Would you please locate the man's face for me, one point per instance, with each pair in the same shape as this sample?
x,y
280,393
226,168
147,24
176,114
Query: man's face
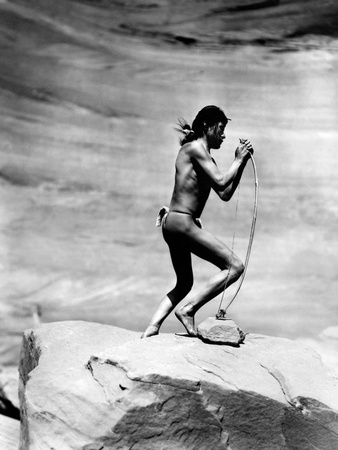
x,y
215,135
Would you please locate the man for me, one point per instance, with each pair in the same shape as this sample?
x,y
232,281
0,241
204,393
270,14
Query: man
x,y
196,174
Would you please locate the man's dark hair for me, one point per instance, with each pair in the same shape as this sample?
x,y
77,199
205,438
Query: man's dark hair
x,y
207,117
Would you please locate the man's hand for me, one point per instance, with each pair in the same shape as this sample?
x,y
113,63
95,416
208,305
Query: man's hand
x,y
244,150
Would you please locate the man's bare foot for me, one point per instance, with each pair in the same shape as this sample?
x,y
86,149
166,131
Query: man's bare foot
x,y
187,319
152,330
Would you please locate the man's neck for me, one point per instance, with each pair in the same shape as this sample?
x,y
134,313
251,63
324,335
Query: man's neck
x,y
204,142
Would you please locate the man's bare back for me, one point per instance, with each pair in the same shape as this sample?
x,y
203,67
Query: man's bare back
x,y
196,174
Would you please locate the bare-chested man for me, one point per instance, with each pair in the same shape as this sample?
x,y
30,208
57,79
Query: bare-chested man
x,y
196,174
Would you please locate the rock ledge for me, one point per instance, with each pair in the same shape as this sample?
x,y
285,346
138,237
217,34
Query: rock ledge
x,y
89,386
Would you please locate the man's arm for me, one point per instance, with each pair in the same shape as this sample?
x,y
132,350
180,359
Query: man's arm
x,y
228,192
218,180
223,184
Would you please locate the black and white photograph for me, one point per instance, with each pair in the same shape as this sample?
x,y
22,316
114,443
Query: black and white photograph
x,y
168,225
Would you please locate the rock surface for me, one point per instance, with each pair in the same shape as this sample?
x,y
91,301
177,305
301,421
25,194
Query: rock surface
x,y
9,399
9,433
9,408
224,331
91,386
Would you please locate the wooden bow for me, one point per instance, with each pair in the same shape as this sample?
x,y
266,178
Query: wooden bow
x,y
222,312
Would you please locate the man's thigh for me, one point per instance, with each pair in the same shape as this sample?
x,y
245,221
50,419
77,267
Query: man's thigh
x,y
180,257
208,247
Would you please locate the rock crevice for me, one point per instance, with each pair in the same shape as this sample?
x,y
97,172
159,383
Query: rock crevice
x,y
280,380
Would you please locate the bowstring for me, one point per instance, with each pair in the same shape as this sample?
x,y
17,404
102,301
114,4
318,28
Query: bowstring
x,y
252,231
232,248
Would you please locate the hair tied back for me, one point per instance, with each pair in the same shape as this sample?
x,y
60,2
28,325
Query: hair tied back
x,y
186,130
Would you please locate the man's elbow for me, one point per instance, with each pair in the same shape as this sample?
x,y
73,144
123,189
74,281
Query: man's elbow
x,y
221,185
226,196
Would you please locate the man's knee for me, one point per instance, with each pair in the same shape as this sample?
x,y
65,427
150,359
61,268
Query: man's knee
x,y
184,286
238,267
182,289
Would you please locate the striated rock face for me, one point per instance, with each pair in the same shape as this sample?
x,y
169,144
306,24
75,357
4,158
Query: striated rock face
x,y
90,386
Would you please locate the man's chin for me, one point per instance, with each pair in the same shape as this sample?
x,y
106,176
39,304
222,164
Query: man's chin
x,y
216,145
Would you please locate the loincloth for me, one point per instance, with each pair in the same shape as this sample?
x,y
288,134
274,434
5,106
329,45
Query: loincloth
x,y
164,211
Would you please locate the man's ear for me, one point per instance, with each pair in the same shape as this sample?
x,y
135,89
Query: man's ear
x,y
206,128
210,127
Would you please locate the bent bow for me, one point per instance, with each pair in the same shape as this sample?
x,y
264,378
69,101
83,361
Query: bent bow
x,y
221,313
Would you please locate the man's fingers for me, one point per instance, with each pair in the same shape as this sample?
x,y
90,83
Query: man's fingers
x,y
245,142
247,145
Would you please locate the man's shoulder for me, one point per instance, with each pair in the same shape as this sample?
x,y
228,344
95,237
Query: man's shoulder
x,y
193,148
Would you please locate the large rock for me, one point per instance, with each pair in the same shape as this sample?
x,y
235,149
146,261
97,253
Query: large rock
x,y
90,386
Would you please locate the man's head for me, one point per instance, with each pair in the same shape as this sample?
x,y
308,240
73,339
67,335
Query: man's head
x,y
209,122
207,118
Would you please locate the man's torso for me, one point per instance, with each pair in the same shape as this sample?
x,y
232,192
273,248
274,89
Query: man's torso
x,y
192,187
